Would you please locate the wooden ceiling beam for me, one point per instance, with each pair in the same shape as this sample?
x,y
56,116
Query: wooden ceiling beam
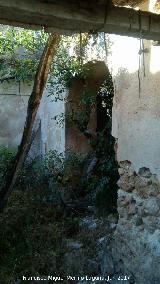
x,y
67,17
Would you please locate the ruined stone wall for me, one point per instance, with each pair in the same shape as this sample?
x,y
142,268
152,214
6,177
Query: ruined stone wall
x,y
136,244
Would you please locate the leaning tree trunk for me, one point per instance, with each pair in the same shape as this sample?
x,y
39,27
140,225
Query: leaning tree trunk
x,y
33,104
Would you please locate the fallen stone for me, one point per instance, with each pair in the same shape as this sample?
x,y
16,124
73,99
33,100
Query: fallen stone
x,y
126,183
151,223
125,164
141,182
152,206
155,181
144,172
138,221
121,171
132,209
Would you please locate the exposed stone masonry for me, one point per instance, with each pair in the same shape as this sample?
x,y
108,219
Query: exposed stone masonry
x,y
136,242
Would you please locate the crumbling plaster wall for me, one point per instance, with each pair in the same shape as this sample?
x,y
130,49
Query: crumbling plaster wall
x,y
136,115
136,127
13,110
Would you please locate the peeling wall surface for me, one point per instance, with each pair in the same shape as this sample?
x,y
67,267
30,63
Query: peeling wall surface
x,y
136,127
13,109
136,110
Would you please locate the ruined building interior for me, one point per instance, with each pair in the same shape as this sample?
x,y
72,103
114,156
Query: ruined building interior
x,y
133,65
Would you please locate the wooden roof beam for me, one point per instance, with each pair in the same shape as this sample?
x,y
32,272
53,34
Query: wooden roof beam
x,y
67,17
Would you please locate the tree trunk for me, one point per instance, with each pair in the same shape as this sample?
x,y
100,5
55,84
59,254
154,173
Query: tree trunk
x,y
33,104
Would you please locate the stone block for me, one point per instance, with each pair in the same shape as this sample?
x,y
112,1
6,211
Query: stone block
x,y
150,223
126,167
151,206
155,181
141,182
125,164
152,190
126,183
122,213
124,199
142,192
136,239
144,172
137,221
121,171
132,209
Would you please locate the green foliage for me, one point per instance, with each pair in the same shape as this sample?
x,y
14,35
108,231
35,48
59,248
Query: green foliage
x,y
50,172
102,183
72,159
80,117
73,52
34,227
6,159
106,93
20,50
31,237
87,98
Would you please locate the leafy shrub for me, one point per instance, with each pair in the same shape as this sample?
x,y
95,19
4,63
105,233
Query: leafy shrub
x,y
31,237
34,224
6,159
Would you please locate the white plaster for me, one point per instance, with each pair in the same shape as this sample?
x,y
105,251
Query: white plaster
x,y
136,116
53,134
13,109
